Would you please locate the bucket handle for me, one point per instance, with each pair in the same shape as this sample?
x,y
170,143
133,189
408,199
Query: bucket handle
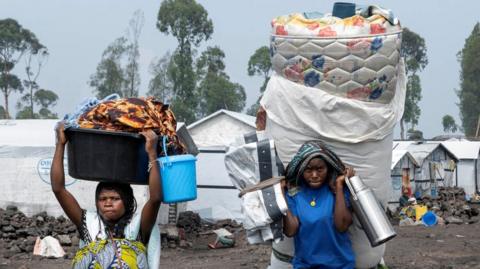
x,y
164,139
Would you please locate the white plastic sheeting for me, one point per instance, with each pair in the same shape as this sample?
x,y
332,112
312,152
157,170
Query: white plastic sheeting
x,y
26,153
360,133
216,197
467,171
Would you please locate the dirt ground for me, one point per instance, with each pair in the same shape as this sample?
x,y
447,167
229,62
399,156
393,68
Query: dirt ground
x,y
449,246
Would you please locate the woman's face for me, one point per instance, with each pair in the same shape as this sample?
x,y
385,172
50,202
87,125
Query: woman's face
x,y
315,173
110,205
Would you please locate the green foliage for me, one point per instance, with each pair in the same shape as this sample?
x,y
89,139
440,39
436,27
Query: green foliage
x,y
215,88
188,22
217,92
44,99
14,42
414,52
161,85
414,95
132,75
469,93
252,110
118,70
34,64
415,134
3,113
26,113
109,76
449,124
259,64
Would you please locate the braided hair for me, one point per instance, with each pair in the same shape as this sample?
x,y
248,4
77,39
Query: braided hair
x,y
130,203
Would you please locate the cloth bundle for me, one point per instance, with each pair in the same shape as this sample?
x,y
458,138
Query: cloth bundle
x,y
128,115
249,161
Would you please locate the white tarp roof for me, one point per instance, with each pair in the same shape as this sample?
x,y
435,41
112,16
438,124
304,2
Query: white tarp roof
x,y
27,133
463,149
397,155
420,150
247,119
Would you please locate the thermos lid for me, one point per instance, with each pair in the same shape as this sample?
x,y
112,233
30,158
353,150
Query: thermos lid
x,y
357,184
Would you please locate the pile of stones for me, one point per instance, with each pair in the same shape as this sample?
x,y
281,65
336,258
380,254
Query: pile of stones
x,y
451,205
18,232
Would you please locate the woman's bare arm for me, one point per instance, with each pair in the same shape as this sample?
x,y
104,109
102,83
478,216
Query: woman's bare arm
x,y
150,210
342,214
57,178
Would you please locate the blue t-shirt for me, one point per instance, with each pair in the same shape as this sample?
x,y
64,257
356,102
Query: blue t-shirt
x,y
318,244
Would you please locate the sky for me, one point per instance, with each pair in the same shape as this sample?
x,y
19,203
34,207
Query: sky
x,y
77,32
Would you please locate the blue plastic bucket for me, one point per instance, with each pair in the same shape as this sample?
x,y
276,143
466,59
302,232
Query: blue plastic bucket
x,y
178,175
429,219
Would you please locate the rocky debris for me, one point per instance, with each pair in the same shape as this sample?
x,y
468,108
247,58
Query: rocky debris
x,y
19,232
450,206
190,226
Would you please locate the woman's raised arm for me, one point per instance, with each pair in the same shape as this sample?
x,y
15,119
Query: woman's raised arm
x,y
150,210
57,179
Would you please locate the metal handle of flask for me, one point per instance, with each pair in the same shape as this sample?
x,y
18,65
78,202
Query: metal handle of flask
x,y
350,187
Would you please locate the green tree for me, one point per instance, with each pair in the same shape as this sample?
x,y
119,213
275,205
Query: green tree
x,y
259,64
161,85
33,66
215,88
469,93
188,22
43,98
415,56
415,134
14,42
132,76
3,113
109,77
449,124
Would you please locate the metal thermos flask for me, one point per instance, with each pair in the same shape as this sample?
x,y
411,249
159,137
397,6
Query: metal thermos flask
x,y
369,212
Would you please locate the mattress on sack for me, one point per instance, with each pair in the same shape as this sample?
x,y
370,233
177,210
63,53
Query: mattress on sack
x,y
355,57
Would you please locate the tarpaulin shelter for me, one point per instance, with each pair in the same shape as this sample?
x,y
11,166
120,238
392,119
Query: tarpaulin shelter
x,y
217,198
26,153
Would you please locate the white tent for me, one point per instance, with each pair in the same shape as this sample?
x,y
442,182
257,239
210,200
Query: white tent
x,y
26,153
467,171
436,164
403,169
216,197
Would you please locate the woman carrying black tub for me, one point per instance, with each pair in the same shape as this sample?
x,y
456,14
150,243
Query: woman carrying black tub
x,y
113,236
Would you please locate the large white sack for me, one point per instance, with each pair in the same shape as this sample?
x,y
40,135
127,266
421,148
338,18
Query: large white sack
x,y
315,113
360,133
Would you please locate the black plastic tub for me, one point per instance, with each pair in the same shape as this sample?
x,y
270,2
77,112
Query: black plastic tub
x,y
100,155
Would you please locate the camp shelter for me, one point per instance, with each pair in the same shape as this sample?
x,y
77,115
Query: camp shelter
x,y
26,153
217,198
436,164
468,167
402,174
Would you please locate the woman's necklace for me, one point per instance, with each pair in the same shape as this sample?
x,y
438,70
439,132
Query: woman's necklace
x,y
313,203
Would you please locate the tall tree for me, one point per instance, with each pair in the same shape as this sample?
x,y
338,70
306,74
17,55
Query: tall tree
x,y
449,124
161,85
3,113
43,98
109,77
14,42
415,55
259,64
188,22
132,76
469,93
215,88
33,66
